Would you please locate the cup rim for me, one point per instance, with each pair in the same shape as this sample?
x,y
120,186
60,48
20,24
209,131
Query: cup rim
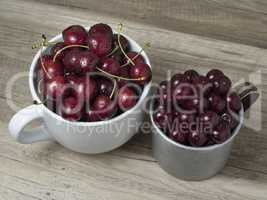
x,y
35,97
207,148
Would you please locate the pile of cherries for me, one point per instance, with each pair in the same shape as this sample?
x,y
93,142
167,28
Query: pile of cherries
x,y
197,110
91,76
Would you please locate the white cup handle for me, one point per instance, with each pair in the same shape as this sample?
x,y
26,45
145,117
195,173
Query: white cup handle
x,y
24,117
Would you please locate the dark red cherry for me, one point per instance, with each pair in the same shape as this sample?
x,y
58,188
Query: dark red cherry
x,y
190,74
209,118
179,136
137,59
71,109
71,59
234,102
163,119
221,133
87,62
104,107
110,65
58,46
52,69
231,119
221,85
91,116
198,104
123,41
123,72
141,71
74,34
127,98
177,79
55,88
217,103
84,88
183,91
100,29
105,86
202,84
101,45
197,138
118,56
214,73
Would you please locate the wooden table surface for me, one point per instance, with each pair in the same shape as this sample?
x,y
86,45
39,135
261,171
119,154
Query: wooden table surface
x,y
199,34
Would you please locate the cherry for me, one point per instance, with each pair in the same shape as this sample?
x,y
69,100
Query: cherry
x,y
123,72
74,35
202,84
124,42
177,79
55,88
100,29
141,71
105,86
127,98
163,119
71,59
214,73
231,119
234,102
71,109
87,61
197,138
217,104
52,69
190,74
57,47
135,57
221,133
84,88
196,104
221,85
179,136
117,56
209,118
110,65
183,91
104,107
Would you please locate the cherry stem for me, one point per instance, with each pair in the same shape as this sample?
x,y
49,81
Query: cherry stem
x,y
147,45
118,77
113,51
44,42
114,88
67,47
42,64
119,42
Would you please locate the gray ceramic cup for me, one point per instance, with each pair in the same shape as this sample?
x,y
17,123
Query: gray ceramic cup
x,y
192,163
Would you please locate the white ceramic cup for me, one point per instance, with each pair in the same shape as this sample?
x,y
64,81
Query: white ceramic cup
x,y
83,137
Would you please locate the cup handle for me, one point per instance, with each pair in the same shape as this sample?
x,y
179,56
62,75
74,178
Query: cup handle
x,y
23,118
248,94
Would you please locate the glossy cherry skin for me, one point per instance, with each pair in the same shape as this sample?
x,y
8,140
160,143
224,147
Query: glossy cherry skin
x,y
221,133
190,74
217,103
55,88
221,85
87,62
179,136
71,109
100,29
52,69
104,107
127,98
123,72
196,104
74,35
137,59
84,88
123,41
197,138
234,102
58,46
183,91
110,65
104,86
71,59
177,79
202,85
141,71
163,119
214,73
209,118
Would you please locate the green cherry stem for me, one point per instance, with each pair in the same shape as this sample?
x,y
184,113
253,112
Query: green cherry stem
x,y
67,47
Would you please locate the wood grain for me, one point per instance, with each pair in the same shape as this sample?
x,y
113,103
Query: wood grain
x,y
48,171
